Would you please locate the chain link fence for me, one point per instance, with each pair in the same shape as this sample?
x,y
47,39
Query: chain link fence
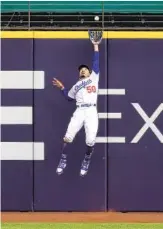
x,y
81,15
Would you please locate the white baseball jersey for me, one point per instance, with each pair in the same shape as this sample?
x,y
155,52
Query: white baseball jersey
x,y
85,91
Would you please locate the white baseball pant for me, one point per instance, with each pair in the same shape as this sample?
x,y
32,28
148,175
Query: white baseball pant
x,y
87,117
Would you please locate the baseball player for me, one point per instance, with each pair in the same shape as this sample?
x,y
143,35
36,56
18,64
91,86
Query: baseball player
x,y
84,92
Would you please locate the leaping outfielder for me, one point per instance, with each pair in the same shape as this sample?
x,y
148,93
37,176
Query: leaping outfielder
x,y
85,92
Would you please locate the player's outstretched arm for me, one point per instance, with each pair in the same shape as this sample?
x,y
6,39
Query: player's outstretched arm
x,y
96,67
60,85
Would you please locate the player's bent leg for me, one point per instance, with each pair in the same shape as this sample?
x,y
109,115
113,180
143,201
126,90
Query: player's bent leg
x,y
74,126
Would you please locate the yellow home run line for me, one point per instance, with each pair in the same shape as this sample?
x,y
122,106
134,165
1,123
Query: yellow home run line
x,y
81,34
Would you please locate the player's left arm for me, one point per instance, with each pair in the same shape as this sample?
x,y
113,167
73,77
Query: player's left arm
x,y
96,67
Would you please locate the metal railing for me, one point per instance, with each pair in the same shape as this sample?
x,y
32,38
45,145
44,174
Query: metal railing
x,y
80,6
81,15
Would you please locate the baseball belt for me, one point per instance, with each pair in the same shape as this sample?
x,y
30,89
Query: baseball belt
x,y
86,105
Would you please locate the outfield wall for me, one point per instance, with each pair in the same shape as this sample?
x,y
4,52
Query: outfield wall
x,y
126,173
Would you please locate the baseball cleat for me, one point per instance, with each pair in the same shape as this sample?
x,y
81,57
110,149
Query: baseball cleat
x,y
61,166
84,167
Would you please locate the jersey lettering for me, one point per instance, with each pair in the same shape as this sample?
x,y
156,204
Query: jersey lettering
x,y
82,85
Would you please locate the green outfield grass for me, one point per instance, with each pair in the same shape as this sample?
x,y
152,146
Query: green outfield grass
x,y
81,226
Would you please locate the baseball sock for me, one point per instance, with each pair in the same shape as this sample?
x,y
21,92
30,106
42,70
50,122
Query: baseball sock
x,y
64,150
89,152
